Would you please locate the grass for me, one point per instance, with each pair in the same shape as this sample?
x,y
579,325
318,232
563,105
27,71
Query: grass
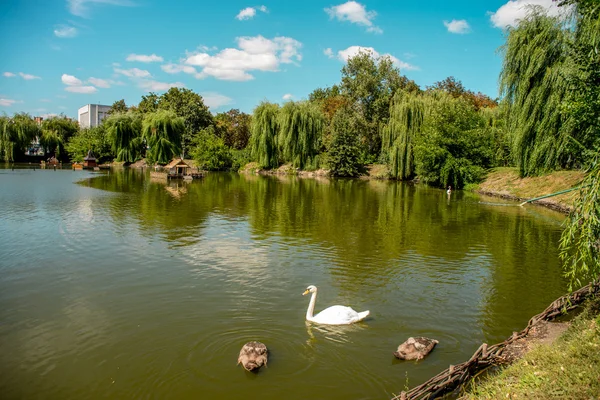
x,y
566,369
506,182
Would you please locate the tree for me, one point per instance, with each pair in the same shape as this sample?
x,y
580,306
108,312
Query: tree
x,y
56,132
233,127
190,106
16,133
534,87
343,153
370,83
210,151
95,139
162,131
300,130
148,104
118,106
407,113
124,135
264,128
456,89
455,146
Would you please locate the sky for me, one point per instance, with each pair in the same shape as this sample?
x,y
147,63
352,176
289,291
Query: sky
x,y
59,55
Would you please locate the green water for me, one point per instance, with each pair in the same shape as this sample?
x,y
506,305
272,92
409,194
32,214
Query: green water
x,y
116,286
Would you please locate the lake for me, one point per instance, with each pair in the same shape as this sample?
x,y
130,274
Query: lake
x,y
113,285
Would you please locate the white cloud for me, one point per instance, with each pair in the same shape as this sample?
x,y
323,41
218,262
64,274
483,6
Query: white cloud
x,y
70,80
352,51
250,12
356,13
328,52
28,77
133,72
144,58
457,26
287,96
101,83
215,100
8,102
154,86
176,68
81,89
9,74
46,100
254,54
514,10
81,7
65,31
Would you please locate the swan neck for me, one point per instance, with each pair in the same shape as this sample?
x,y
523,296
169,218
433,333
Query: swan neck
x,y
311,306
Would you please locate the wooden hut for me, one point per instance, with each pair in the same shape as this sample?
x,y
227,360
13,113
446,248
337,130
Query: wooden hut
x,y
179,169
89,161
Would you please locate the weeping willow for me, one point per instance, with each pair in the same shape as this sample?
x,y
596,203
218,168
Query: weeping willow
x,y
407,113
162,131
263,144
122,134
16,133
533,83
300,128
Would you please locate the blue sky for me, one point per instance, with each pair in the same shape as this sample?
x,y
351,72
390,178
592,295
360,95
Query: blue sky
x,y
58,55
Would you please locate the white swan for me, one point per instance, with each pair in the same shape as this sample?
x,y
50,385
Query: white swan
x,y
334,315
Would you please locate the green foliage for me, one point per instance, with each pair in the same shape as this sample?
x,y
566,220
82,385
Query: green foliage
x,y
263,135
455,145
162,131
56,132
210,151
190,106
407,113
124,132
534,85
239,158
343,152
148,104
233,127
118,106
16,133
580,240
370,84
95,139
300,130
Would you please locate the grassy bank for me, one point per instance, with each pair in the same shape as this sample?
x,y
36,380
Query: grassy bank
x,y
505,182
569,368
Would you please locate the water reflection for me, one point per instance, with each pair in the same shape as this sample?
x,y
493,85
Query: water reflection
x,y
126,287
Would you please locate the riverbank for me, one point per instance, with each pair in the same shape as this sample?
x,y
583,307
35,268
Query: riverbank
x,y
567,367
505,182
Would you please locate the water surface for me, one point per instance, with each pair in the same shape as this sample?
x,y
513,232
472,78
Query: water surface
x,y
117,286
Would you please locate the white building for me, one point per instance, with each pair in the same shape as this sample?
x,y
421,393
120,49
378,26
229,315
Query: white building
x,y
92,115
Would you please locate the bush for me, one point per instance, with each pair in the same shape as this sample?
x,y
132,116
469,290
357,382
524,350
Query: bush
x,y
210,152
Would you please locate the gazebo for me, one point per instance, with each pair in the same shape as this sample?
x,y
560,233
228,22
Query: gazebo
x,y
89,161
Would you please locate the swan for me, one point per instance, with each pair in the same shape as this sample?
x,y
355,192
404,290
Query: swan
x,y
334,315
449,191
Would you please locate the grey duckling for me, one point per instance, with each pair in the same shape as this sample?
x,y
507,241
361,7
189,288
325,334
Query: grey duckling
x,y
415,348
253,355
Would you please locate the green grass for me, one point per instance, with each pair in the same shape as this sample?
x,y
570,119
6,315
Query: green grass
x,y
566,369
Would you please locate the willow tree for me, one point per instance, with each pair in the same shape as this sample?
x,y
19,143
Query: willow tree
x,y
534,85
300,129
124,136
263,144
16,133
56,132
407,112
163,132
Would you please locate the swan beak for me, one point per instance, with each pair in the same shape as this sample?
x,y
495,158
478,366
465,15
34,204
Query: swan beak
x,y
306,292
